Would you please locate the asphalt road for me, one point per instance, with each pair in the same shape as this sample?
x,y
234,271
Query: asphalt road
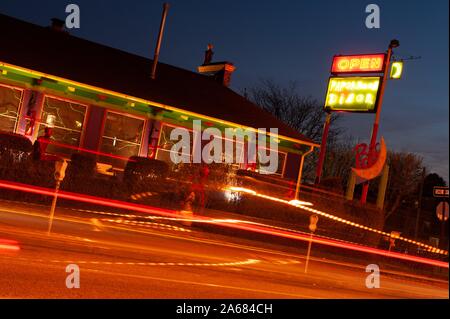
x,y
119,257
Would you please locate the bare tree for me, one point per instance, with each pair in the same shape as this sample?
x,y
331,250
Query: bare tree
x,y
304,114
405,174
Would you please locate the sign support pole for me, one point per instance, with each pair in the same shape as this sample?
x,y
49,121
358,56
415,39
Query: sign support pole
x,y
309,252
373,140
52,209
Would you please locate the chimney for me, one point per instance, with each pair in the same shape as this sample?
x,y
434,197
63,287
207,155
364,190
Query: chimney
x,y
58,25
219,71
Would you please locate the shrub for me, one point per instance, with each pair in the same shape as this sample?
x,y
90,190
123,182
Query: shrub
x,y
81,165
142,173
15,150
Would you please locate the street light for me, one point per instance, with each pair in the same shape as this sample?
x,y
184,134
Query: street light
x,y
394,44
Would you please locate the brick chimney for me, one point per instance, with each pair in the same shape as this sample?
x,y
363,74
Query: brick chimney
x,y
219,71
57,25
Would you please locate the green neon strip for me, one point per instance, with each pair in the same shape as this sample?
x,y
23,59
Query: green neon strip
x,y
122,104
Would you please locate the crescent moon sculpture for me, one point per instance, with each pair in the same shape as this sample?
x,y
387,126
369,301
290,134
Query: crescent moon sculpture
x,y
375,169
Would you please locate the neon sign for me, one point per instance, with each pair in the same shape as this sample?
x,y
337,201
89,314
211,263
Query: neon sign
x,y
396,70
367,63
352,94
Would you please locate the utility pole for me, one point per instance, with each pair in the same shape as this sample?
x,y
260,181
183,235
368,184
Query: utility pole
x,y
419,204
158,44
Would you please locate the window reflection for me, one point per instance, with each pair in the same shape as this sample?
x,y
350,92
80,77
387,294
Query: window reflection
x,y
10,99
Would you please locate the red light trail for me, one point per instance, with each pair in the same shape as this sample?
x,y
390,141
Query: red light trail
x,y
7,245
90,151
252,228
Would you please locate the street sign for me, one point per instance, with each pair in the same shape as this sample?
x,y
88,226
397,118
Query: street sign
x,y
394,235
365,63
442,211
353,94
440,191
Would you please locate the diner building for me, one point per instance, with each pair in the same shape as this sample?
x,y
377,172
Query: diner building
x,y
103,100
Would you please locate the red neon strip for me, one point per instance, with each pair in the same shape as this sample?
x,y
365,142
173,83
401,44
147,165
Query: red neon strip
x,y
258,229
91,151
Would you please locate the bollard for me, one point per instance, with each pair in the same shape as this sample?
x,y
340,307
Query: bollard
x,y
60,171
313,219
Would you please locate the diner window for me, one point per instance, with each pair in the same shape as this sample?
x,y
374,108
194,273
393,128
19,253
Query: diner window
x,y
165,144
236,158
66,119
10,99
281,162
122,138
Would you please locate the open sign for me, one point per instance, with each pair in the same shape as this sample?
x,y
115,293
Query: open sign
x,y
367,63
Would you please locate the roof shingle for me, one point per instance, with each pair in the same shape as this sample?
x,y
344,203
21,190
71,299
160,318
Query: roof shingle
x,y
60,54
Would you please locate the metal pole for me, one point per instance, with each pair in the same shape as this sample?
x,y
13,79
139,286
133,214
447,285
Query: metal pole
x,y
382,187
160,35
419,204
323,148
350,186
308,253
373,139
52,210
299,177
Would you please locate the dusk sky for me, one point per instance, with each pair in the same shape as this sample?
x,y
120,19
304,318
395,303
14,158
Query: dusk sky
x,y
291,41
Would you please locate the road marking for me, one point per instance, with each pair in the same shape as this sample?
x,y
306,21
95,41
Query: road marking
x,y
147,224
95,262
208,241
265,292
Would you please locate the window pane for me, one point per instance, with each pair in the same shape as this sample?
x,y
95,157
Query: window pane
x,y
281,160
66,119
121,137
9,108
165,144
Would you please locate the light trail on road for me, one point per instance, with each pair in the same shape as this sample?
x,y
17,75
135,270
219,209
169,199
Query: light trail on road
x,y
251,228
7,245
303,205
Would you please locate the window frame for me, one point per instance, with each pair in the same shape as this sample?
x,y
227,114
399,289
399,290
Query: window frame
x,y
105,118
194,138
40,121
19,108
278,151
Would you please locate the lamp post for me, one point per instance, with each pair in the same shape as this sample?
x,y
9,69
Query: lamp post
x,y
373,141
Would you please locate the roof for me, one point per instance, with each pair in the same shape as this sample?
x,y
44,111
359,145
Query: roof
x,y
41,49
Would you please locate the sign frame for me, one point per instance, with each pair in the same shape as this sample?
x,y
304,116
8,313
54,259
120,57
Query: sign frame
x,y
443,188
381,71
377,96
442,210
